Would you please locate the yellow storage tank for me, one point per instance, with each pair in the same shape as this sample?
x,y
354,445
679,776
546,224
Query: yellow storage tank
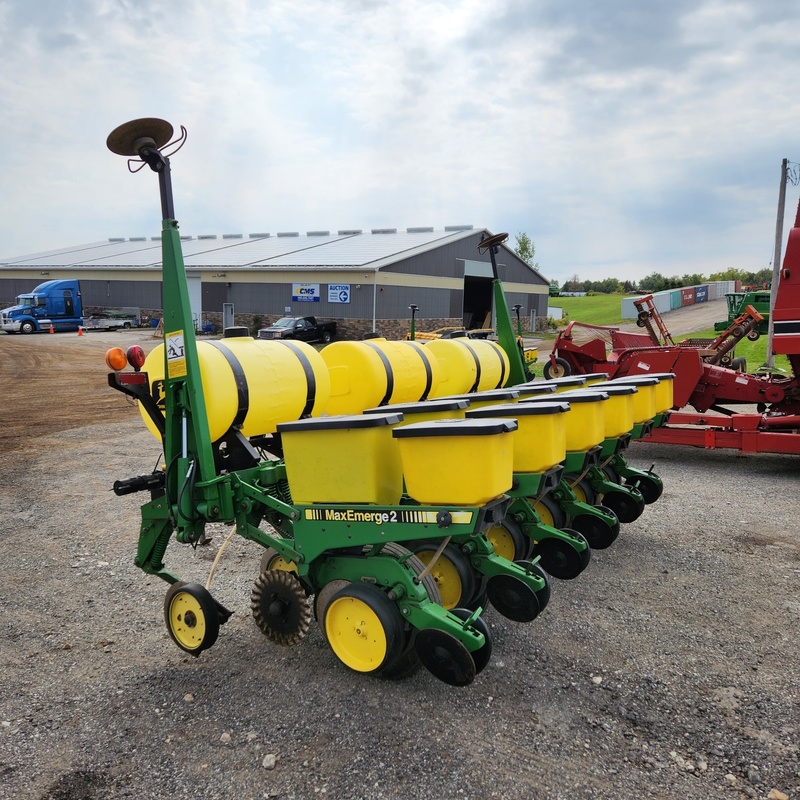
x,y
540,441
585,423
438,459
664,391
343,459
254,383
644,403
376,372
468,365
425,411
618,411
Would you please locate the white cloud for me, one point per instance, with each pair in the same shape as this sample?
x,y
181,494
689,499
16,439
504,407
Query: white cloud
x,y
646,138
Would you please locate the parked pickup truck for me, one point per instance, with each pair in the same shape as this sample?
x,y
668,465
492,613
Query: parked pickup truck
x,y
306,329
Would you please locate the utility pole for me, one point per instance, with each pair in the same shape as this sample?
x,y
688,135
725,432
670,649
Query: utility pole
x,y
776,261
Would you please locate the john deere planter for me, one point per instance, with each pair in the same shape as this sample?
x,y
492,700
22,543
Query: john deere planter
x,y
361,512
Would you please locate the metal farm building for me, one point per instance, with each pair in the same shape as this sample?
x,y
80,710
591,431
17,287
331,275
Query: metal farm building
x,y
351,275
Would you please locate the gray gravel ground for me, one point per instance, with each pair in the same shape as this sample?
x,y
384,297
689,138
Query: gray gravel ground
x,y
667,670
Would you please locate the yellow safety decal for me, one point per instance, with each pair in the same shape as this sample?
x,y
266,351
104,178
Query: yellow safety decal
x,y
176,354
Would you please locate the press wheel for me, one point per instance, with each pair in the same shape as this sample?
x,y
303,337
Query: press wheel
x,y
364,628
280,607
191,616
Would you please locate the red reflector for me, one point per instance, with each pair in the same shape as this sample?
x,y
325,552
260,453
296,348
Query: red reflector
x,y
136,357
116,359
132,378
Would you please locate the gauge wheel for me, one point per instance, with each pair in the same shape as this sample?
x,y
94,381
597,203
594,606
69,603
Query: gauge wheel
x,y
508,540
560,558
753,335
582,489
611,474
550,512
482,655
452,572
364,628
559,369
628,507
272,559
191,616
650,487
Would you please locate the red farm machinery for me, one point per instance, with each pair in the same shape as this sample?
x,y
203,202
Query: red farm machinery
x,y
708,377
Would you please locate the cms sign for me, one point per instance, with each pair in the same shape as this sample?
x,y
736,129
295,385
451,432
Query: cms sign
x,y
305,292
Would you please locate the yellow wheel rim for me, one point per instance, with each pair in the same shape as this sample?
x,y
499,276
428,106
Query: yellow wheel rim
x,y
355,634
544,513
187,621
502,542
446,576
579,493
279,562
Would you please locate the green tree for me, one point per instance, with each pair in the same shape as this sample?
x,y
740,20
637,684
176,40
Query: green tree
x,y
526,249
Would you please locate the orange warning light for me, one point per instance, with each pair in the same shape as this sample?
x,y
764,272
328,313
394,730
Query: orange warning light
x,y
116,359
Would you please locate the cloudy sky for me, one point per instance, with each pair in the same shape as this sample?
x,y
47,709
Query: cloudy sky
x,y
623,136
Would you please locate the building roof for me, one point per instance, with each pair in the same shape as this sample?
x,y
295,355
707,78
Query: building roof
x,y
346,249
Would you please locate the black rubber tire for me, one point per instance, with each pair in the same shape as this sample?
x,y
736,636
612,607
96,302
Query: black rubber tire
x,y
326,337
27,327
739,364
754,335
560,370
388,615
203,602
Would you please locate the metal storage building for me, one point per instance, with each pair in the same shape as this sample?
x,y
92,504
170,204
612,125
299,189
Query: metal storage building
x,y
349,274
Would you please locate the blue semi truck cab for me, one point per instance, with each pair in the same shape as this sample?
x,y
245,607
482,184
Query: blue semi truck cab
x,y
57,303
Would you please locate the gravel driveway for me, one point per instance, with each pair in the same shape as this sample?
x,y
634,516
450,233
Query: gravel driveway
x,y
668,669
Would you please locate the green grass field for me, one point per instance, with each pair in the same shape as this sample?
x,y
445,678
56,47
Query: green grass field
x,y
599,309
